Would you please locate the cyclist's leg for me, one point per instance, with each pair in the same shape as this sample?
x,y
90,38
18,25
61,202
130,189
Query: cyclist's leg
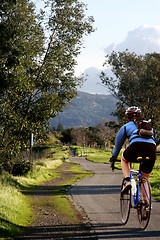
x,y
146,169
145,174
127,157
125,167
146,185
126,173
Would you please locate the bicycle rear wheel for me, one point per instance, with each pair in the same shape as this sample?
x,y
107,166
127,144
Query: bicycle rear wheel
x,y
125,205
143,210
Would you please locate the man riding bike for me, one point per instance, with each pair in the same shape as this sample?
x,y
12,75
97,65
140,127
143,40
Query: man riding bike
x,y
138,146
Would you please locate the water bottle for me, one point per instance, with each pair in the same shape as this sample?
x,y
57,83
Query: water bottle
x,y
134,189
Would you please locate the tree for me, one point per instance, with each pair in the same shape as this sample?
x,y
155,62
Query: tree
x,y
136,82
37,67
67,136
103,134
80,136
22,41
60,127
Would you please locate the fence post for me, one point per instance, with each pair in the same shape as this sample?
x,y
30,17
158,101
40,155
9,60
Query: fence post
x,y
31,144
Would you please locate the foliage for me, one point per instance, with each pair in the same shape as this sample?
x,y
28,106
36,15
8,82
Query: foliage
x,y
103,134
60,128
136,82
22,167
100,135
67,135
38,55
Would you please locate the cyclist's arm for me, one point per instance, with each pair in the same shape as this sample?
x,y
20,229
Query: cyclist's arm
x,y
120,139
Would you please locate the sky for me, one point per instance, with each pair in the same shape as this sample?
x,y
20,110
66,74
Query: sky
x,y
114,20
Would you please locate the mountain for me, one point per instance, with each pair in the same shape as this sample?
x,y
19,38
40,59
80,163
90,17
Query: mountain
x,y
86,109
93,83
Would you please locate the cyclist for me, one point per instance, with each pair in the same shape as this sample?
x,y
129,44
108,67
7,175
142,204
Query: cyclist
x,y
138,146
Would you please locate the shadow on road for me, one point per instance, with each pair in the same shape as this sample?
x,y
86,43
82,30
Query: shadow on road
x,y
118,231
96,190
80,190
76,231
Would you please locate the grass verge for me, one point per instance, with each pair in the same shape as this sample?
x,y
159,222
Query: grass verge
x,y
15,210
62,205
92,154
155,180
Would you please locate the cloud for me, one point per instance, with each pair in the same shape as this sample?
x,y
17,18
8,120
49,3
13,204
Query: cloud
x,y
142,40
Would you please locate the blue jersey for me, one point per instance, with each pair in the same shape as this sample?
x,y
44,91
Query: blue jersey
x,y
130,131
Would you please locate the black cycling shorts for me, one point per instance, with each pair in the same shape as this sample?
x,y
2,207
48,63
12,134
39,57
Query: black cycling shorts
x,y
141,149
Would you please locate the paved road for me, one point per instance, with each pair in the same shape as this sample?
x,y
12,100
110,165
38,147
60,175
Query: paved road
x,y
99,197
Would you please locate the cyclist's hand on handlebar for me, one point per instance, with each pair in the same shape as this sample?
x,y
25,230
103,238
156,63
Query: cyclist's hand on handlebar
x,y
112,161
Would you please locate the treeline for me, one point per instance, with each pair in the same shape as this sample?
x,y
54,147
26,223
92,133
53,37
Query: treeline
x,y
101,136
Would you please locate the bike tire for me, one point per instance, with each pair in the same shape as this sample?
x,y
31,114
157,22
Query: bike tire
x,y
125,205
143,214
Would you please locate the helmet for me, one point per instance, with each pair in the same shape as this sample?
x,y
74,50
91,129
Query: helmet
x,y
133,109
132,112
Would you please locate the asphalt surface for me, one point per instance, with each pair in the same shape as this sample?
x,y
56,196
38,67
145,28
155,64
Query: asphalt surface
x,y
99,195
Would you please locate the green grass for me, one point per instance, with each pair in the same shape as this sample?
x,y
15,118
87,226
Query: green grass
x,y
64,208
92,154
155,179
15,211
62,205
40,173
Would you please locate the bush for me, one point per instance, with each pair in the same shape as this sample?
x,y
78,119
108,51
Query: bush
x,y
21,167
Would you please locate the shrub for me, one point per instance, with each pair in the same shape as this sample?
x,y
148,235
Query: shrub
x,y
21,167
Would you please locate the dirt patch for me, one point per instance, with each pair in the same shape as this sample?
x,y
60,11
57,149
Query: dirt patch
x,y
47,223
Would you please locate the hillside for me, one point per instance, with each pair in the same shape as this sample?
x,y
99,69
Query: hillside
x,y
87,109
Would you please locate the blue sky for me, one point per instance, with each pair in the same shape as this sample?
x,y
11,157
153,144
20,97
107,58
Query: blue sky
x,y
113,20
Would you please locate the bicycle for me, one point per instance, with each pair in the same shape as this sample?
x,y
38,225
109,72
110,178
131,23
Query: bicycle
x,y
138,197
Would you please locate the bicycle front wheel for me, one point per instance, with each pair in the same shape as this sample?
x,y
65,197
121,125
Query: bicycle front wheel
x,y
125,204
144,203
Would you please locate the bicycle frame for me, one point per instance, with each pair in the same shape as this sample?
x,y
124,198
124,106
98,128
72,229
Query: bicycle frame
x,y
137,188
136,199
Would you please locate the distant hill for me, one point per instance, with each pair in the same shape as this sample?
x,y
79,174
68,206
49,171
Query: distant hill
x,y
87,109
93,83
